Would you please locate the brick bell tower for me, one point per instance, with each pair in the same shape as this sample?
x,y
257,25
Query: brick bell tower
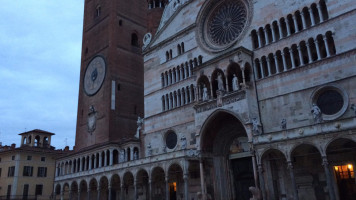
x,y
111,73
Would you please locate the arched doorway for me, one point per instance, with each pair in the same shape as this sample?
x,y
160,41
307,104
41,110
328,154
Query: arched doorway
x,y
341,154
175,181
115,187
158,184
228,166
142,184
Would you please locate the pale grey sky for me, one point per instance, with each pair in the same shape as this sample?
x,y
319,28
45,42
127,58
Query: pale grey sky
x,y
40,50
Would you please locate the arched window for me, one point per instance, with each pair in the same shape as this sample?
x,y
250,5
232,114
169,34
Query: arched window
x,y
134,40
330,42
179,49
163,103
254,39
283,28
275,30
262,36
167,56
258,69
182,47
97,11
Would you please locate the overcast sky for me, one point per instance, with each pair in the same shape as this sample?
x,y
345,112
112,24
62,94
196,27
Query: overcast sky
x,y
40,48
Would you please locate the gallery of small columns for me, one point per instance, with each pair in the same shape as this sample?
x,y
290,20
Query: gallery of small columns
x,y
96,160
191,93
297,55
293,23
152,182
308,169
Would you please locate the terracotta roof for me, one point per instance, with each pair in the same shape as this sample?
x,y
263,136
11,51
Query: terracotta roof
x,y
37,131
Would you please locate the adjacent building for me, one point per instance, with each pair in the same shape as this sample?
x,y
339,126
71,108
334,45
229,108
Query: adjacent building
x,y
27,172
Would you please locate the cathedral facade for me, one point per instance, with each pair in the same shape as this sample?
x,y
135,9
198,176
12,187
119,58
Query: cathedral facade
x,y
215,99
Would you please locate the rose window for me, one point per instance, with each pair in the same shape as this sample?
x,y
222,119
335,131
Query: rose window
x,y
226,23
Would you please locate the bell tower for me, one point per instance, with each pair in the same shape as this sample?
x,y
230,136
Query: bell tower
x,y
111,73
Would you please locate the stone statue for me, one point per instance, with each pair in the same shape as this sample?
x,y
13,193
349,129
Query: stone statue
x,y
149,149
255,125
353,107
135,156
122,156
205,93
164,149
284,124
183,141
139,127
91,119
256,193
316,113
220,82
235,83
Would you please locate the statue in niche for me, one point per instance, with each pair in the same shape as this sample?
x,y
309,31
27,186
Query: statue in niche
x,y
205,93
149,149
122,156
317,113
183,141
353,107
255,125
220,82
139,127
284,124
135,156
235,83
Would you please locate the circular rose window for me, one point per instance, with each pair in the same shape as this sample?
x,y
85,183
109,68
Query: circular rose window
x,y
222,23
226,23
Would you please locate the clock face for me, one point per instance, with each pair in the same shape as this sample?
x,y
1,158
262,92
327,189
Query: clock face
x,y
94,75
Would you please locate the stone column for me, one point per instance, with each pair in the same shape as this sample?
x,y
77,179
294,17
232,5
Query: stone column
x,y
317,49
273,34
191,94
291,173
98,195
303,20
181,73
189,70
169,78
100,160
181,98
259,38
328,178
268,66
295,23
186,96
320,13
105,158
300,56
311,16
288,27
122,191
166,75
262,70
70,194
62,194
167,187
202,179
150,189
309,52
78,194
177,74
280,29
110,192
95,162
262,181
276,63
135,187
84,164
326,45
132,149
72,168
256,72
292,57
88,195
56,171
90,161
186,193
111,157
167,102
266,36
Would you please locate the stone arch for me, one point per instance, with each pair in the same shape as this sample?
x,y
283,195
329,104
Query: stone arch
x,y
142,178
128,184
37,141
254,39
115,183
225,139
175,180
74,188
66,190
341,154
158,183
307,163
24,141
134,40
93,187
275,171
45,142
83,187
104,188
